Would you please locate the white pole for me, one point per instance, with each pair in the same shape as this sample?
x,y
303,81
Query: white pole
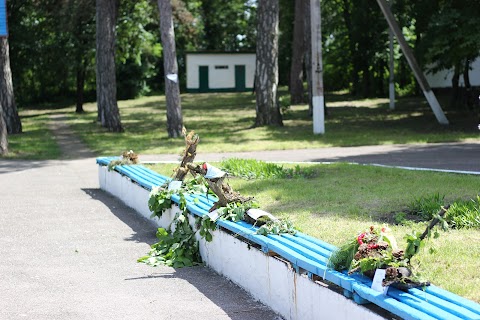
x,y
318,101
422,81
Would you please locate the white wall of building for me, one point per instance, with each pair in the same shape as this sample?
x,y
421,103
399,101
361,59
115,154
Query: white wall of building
x,y
443,79
219,78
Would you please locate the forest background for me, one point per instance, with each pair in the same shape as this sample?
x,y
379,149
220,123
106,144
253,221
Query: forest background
x,y
52,44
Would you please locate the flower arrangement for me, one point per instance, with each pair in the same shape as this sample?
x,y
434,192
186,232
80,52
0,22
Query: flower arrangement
x,y
376,248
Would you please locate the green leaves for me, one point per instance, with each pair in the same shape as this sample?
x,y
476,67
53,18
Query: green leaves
x,y
160,200
178,249
277,227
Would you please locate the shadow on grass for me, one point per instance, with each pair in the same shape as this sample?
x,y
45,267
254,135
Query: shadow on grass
x,y
225,123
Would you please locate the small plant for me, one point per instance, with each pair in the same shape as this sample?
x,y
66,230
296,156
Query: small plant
x,y
464,214
277,226
427,207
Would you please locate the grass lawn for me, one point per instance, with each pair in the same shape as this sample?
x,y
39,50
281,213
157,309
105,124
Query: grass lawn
x,y
343,200
36,141
224,122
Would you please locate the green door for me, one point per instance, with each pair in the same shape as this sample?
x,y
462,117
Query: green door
x,y
203,78
240,78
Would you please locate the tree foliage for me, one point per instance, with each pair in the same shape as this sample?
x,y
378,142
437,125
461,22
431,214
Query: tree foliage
x,y
52,43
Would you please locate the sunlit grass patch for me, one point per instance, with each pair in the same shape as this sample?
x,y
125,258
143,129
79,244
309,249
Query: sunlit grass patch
x,y
36,141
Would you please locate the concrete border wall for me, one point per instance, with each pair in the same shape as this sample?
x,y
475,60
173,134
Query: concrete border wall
x,y
269,279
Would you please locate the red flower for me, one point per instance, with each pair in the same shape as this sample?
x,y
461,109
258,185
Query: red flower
x,y
360,238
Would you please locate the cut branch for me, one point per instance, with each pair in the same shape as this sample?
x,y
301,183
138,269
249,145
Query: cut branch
x,y
191,141
224,192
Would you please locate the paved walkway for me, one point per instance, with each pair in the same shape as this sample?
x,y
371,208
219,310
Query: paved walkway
x,y
68,250
444,156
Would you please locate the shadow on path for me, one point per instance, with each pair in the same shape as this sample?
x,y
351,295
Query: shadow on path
x,y
9,166
462,157
143,229
233,300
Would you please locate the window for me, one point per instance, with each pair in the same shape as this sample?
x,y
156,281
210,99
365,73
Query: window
x,y
221,67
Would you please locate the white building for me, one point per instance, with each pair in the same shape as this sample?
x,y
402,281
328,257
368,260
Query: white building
x,y
220,72
443,79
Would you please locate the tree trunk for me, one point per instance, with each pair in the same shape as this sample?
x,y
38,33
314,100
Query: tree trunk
x,y
108,113
266,73
469,98
455,86
347,17
172,89
3,134
7,98
298,52
81,70
308,55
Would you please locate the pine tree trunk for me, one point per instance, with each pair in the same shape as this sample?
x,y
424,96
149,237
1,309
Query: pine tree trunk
x,y
80,86
308,55
298,52
3,134
266,73
7,98
455,87
469,98
172,89
108,113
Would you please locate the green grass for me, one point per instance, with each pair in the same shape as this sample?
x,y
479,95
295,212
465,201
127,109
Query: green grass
x,y
343,200
36,141
224,122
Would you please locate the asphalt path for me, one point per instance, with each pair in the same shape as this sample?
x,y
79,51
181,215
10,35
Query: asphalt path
x,y
68,250
438,156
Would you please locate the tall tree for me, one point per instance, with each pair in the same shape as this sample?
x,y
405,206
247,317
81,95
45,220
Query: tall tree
x,y
108,113
453,42
7,98
307,38
266,74
172,89
3,134
228,25
298,52
78,19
